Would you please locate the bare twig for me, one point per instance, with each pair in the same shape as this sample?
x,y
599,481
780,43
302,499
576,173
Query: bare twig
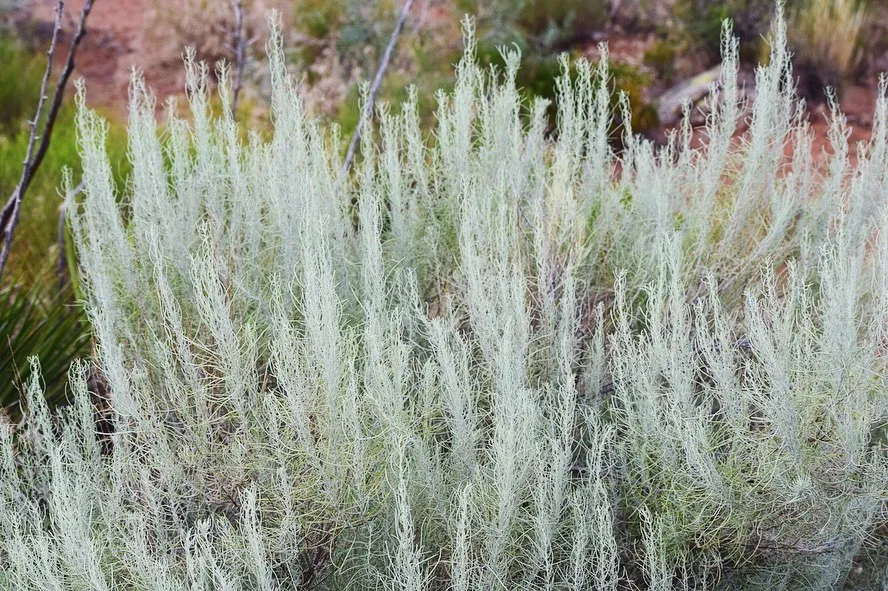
x,y
11,210
239,47
9,216
374,88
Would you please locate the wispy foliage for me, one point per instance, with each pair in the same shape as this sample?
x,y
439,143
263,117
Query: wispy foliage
x,y
493,358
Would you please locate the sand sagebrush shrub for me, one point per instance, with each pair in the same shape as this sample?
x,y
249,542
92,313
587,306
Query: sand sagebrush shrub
x,y
491,358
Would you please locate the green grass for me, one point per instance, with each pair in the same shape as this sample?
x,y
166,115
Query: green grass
x,y
20,76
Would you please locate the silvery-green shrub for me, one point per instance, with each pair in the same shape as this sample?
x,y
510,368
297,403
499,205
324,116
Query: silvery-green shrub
x,y
495,356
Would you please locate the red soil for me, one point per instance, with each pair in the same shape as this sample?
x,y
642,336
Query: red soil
x,y
112,47
116,42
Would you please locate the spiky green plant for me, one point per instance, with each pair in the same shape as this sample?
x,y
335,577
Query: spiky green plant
x,y
50,326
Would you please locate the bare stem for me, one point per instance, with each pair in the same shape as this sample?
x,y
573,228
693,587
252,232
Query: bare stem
x,y
9,216
239,46
374,89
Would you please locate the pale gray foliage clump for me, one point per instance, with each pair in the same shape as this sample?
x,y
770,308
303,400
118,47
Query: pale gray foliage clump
x,y
497,357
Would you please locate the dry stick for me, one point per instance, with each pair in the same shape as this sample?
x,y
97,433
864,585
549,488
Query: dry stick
x,y
239,47
9,216
11,210
371,98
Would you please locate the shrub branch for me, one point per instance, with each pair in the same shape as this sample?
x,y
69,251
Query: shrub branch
x,y
239,47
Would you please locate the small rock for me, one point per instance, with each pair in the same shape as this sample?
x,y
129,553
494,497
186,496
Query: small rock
x,y
671,102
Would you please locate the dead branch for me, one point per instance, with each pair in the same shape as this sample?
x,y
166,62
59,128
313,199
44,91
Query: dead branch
x,y
374,89
9,216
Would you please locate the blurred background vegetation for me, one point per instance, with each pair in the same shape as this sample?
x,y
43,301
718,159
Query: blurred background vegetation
x,y
655,46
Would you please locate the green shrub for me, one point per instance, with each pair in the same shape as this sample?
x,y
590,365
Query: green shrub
x,y
358,30
318,18
550,24
559,22
826,38
365,30
661,58
702,22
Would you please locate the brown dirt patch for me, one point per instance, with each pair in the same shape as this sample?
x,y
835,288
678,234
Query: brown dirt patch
x,y
113,46
117,41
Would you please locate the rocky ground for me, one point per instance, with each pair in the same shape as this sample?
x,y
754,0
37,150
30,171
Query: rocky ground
x,y
124,34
